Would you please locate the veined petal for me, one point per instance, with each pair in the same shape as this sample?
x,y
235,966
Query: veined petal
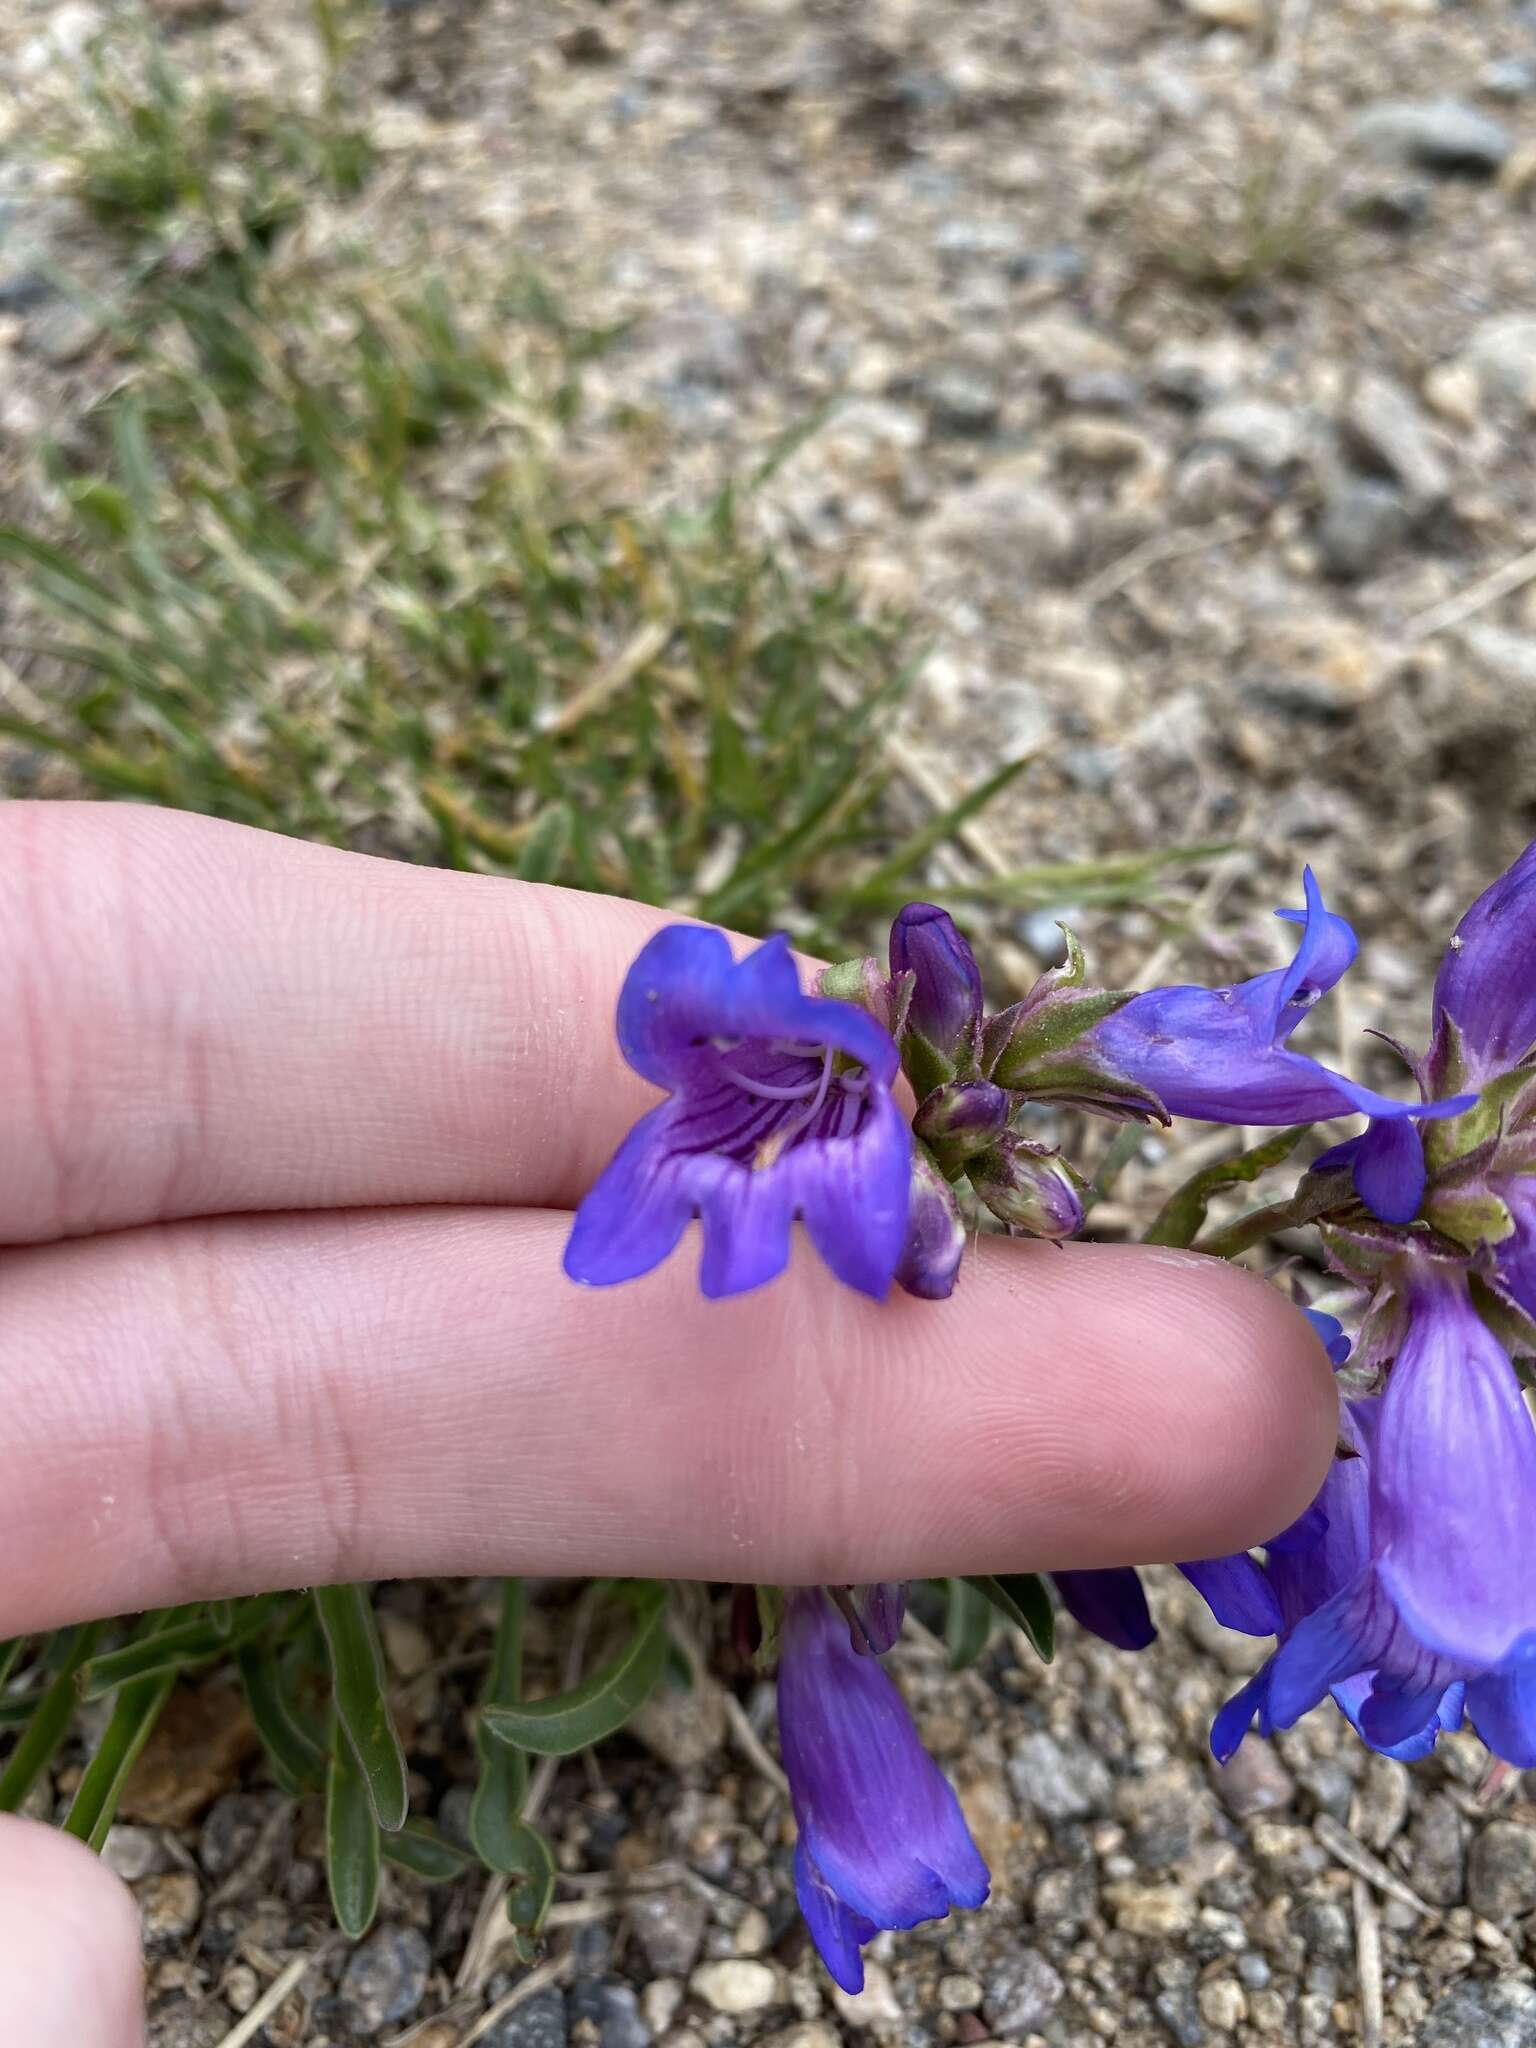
x,y
838,1932
1237,1592
1487,981
1503,1707
636,1211
1110,1604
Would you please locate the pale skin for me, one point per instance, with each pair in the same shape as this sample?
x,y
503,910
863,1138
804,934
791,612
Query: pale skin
x,y
288,1144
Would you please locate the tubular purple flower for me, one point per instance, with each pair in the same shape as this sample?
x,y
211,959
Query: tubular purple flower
x,y
930,1258
883,1842
1443,1589
1221,1054
947,996
1486,986
779,1106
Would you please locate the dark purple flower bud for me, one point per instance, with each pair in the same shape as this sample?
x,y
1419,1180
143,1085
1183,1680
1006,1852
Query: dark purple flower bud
x,y
947,994
1486,986
930,1259
1030,1187
1109,1604
1221,1054
779,1106
961,1119
883,1842
879,1608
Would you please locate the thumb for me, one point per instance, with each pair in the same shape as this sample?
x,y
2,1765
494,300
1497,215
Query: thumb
x,y
70,1975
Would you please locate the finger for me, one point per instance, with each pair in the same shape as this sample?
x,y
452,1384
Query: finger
x,y
70,1975
214,1407
201,1018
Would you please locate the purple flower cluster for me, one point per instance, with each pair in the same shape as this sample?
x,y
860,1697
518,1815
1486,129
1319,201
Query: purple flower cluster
x,y
1407,1591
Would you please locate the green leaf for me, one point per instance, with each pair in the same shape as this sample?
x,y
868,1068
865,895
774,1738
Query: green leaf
x,y
169,1648
967,1624
138,1707
351,1839
1182,1216
548,843
418,1847
357,1669
602,1703
297,1763
50,1720
1023,1599
9,1652
916,848
493,1815
533,1880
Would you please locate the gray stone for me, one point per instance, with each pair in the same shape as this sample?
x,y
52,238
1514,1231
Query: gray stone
x,y
1362,524
1061,1781
22,287
1384,421
736,1984
386,1977
962,401
1254,1969
1382,1798
1509,78
669,1927
702,345
1501,354
1444,135
1264,435
1099,390
1438,1860
538,2023
1325,1927
61,333
1479,2014
135,1852
1176,1999
1020,1995
1011,522
1501,1871
621,2025
169,1909
230,1830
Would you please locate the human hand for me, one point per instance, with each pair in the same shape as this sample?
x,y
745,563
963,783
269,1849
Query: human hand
x,y
290,1138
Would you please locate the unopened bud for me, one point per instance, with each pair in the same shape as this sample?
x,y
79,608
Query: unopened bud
x,y
1031,1187
930,1263
961,1119
946,994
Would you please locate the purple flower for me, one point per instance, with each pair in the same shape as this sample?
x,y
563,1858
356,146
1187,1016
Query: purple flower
x,y
779,1106
930,1258
1222,1053
883,1842
1110,1604
1425,1580
1486,987
947,993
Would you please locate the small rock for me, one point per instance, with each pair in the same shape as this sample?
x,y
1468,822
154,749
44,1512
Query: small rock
x,y
1502,356
539,2022
1443,135
962,401
1438,1860
959,1994
1155,1910
1099,391
875,2006
1264,435
702,345
1362,524
1222,2004
61,333
1021,1994
1254,1970
1011,521
591,1949
168,1907
1511,657
669,1927
136,1852
1385,423
1244,14
735,1984
1381,1800
386,1977
1479,2014
1509,78
753,1935
1501,1871
407,1646
1175,1999
230,1830
659,2002
1325,1928
808,2034
1061,1781
684,1726
622,2024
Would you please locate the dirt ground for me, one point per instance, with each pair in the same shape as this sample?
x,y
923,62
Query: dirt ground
x,y
1180,374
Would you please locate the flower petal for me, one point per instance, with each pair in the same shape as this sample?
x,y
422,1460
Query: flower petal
x,y
1389,1169
1503,1707
1237,1592
838,1932
1326,953
852,1194
636,1211
1109,1604
1238,1716
947,996
1487,981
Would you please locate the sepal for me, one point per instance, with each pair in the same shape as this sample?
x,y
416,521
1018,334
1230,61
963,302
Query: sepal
x,y
1030,1187
961,1119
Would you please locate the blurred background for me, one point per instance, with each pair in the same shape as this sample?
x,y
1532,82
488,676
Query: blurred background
x,y
1073,459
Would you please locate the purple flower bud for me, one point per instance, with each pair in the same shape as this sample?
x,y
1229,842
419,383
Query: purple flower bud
x,y
947,995
880,1608
930,1260
883,1842
1109,1604
1029,1186
961,1119
1486,986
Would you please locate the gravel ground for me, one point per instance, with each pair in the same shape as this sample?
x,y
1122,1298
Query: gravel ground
x,y
1184,360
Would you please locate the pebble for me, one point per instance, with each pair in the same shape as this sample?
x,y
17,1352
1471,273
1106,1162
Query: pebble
x,y
1501,354
1437,1863
1061,1781
1444,135
1384,421
1263,434
1222,2004
622,2025
1381,1799
386,1977
229,1832
135,1852
1020,1995
669,1927
753,1934
735,1984
1154,1910
1479,2014
684,1725
659,2002
962,401
1501,1871
539,2022
61,333
876,2005
1011,521
168,1907
807,2034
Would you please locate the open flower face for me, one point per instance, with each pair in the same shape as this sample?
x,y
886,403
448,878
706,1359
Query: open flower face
x,y
779,1107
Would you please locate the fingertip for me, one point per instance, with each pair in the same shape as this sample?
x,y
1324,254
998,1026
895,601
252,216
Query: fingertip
x,y
70,1969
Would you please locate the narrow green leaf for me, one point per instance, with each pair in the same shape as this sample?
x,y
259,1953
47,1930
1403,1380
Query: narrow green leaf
x,y
1022,1597
967,1624
9,1652
45,1730
138,1708
494,1827
916,848
297,1763
573,1720
418,1847
169,1648
357,1668
533,1880
351,1839
1182,1216
547,845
